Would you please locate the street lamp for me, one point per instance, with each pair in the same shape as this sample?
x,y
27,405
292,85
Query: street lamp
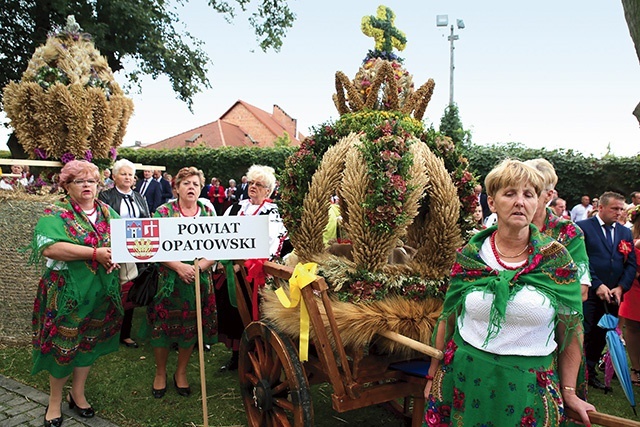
x,y
443,21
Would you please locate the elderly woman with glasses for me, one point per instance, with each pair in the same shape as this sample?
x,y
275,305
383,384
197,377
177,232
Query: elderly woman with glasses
x,y
261,181
77,312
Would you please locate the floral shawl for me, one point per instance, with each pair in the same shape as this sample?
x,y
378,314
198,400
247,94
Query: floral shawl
x,y
549,269
569,235
169,277
64,221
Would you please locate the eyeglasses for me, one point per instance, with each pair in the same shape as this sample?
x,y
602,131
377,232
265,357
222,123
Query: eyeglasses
x,y
82,182
256,183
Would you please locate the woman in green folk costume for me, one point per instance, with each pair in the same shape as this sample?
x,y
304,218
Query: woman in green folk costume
x,y
512,313
564,231
171,317
77,312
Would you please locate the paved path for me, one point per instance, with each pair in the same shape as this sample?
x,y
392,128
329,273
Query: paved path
x,y
21,405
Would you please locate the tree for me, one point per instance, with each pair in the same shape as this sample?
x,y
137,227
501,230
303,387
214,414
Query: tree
x,y
632,15
451,126
141,32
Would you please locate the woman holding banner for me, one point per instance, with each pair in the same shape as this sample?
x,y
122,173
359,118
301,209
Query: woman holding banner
x,y
171,317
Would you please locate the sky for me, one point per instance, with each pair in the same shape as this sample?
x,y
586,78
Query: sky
x,y
547,74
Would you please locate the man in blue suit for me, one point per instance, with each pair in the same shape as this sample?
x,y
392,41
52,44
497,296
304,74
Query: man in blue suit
x,y
150,189
612,264
165,186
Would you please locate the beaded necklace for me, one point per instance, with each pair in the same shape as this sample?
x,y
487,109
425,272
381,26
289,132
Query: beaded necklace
x,y
497,254
183,214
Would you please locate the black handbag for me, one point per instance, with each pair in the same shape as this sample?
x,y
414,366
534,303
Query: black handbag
x,y
145,286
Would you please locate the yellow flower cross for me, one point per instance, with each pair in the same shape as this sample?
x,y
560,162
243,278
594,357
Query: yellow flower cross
x,y
381,28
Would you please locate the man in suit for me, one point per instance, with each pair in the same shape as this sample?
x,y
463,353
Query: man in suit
x,y
150,189
612,264
165,186
244,189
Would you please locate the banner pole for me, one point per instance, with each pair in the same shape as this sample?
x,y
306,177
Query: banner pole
x,y
203,382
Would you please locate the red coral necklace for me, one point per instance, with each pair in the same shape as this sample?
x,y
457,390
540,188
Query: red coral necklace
x,y
497,253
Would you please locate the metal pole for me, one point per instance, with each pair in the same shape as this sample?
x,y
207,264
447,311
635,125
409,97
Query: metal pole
x,y
452,38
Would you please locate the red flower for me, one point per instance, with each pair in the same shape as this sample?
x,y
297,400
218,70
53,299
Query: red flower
x,y
458,398
456,269
569,230
562,272
625,247
543,378
449,352
433,418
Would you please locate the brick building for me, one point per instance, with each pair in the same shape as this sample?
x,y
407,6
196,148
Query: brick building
x,y
242,125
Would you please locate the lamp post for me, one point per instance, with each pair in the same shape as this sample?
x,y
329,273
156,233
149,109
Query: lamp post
x,y
443,21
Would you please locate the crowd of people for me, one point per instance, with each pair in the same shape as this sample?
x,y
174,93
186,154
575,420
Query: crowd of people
x,y
81,311
520,314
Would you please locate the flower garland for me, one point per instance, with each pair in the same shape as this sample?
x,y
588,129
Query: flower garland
x,y
388,162
365,286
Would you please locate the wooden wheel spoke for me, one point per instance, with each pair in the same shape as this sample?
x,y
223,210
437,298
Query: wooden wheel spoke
x,y
252,378
274,374
283,403
281,417
282,387
256,364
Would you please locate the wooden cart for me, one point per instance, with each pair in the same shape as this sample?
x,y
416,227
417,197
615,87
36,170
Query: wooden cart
x,y
275,384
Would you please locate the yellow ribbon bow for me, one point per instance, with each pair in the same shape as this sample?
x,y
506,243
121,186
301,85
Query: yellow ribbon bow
x,y
303,274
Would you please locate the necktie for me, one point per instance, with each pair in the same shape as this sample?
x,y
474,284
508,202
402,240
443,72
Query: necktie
x,y
128,200
609,231
144,187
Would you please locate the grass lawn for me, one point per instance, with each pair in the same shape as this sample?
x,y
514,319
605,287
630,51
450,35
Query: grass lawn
x,y
119,388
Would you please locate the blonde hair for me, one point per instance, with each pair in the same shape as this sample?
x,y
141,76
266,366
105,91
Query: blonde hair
x,y
512,172
546,169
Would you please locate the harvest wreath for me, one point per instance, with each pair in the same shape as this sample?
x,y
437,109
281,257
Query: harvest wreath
x,y
68,105
399,205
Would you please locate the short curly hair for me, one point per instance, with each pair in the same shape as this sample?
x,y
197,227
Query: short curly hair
x,y
186,173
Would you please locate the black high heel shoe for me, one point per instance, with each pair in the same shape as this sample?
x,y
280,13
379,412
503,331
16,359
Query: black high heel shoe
x,y
182,391
56,422
83,412
158,393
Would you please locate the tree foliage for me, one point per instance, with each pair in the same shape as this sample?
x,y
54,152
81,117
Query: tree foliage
x,y
144,33
451,126
577,174
224,163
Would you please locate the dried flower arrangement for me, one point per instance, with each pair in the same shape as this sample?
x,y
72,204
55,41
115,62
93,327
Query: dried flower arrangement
x,y
68,105
395,194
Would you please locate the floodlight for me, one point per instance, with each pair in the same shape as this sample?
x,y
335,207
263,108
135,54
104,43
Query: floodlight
x,y
442,20
460,24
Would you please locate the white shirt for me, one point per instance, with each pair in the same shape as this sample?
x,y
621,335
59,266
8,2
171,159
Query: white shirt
x,y
579,212
528,327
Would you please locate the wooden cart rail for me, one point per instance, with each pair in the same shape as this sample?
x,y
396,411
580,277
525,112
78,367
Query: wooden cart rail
x,y
358,379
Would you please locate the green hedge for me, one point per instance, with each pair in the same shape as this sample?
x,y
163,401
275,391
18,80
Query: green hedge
x,y
577,174
224,163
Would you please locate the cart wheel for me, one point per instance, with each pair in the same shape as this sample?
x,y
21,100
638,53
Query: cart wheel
x,y
274,387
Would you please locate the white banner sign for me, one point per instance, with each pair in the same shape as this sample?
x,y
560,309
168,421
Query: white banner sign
x,y
185,239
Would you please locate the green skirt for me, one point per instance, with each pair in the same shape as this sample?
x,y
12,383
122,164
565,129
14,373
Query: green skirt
x,y
62,342
476,388
171,316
